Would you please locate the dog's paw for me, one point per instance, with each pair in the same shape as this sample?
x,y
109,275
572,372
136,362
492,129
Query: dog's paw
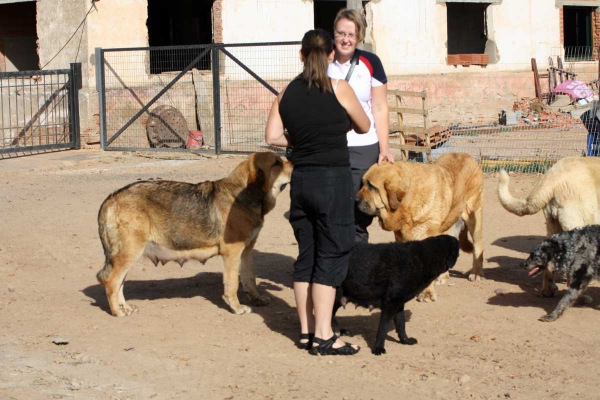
x,y
409,341
379,351
473,277
242,309
261,301
548,318
427,297
236,307
124,310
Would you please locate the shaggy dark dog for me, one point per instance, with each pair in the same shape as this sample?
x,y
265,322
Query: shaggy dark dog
x,y
576,254
390,274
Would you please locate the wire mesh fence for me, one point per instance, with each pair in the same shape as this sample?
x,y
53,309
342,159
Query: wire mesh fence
x,y
37,111
223,93
213,98
494,116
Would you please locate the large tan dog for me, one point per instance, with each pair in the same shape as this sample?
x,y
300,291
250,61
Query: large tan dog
x,y
417,201
568,194
177,221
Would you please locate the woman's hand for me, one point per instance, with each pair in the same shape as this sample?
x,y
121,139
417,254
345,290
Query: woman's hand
x,y
385,155
381,118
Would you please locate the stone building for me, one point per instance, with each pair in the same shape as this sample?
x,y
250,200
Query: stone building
x,y
419,41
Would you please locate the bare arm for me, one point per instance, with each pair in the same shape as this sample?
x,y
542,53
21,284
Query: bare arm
x,y
382,125
347,98
274,132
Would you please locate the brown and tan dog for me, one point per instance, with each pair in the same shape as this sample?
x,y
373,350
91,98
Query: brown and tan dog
x,y
178,221
417,201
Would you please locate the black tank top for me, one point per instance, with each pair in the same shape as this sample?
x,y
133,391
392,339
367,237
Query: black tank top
x,y
317,124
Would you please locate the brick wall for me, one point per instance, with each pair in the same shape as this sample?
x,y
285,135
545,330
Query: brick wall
x,y
561,25
217,14
595,32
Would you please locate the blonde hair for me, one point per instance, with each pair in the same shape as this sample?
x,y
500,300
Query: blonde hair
x,y
354,16
317,45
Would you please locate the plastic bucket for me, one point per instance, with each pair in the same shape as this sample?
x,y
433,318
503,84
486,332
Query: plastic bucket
x,y
194,140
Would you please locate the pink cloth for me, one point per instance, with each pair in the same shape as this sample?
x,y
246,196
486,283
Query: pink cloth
x,y
575,89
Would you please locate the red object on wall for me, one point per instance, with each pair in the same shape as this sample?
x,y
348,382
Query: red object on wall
x,y
194,140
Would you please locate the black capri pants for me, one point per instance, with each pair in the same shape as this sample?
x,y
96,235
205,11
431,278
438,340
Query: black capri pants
x,y
322,216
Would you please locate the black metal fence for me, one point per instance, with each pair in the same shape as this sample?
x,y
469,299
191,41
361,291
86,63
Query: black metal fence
x,y
217,101
39,111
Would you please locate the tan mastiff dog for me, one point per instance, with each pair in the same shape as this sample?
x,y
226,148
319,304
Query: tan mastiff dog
x,y
417,201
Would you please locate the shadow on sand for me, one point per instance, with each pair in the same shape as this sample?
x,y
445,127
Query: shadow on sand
x,y
275,274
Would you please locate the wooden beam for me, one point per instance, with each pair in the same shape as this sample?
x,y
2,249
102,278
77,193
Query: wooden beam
x,y
405,110
406,93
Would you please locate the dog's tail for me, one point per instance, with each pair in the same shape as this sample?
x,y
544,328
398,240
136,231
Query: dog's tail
x,y
537,199
465,244
104,231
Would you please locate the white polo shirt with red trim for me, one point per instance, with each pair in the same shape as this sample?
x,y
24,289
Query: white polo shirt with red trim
x,y
367,74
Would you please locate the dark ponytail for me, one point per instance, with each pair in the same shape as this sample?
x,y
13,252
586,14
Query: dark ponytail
x,y
317,45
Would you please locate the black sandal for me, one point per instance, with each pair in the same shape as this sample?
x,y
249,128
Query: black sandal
x,y
306,345
325,348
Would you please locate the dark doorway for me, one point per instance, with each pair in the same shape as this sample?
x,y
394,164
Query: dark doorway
x,y
325,12
577,29
467,28
178,23
18,37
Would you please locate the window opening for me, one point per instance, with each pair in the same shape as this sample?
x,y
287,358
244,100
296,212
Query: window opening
x,y
18,37
178,23
577,30
467,33
325,12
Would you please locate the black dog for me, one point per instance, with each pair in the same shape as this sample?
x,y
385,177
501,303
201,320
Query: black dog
x,y
388,275
575,253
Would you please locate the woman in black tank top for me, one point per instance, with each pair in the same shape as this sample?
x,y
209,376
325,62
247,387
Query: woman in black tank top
x,y
317,113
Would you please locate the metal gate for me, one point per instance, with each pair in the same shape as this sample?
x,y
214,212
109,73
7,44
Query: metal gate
x,y
39,111
205,98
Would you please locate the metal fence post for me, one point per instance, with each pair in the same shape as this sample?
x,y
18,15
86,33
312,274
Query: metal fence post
x,y
76,84
216,97
100,87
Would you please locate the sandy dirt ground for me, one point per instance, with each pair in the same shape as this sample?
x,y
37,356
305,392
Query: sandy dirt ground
x,y
479,340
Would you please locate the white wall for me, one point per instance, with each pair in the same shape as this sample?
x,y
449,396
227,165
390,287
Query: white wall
x,y
116,23
410,36
266,21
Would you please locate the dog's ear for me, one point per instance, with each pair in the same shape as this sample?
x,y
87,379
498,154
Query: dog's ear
x,y
256,177
395,193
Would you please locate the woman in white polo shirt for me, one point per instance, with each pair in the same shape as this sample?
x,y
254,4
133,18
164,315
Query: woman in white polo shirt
x,y
369,82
